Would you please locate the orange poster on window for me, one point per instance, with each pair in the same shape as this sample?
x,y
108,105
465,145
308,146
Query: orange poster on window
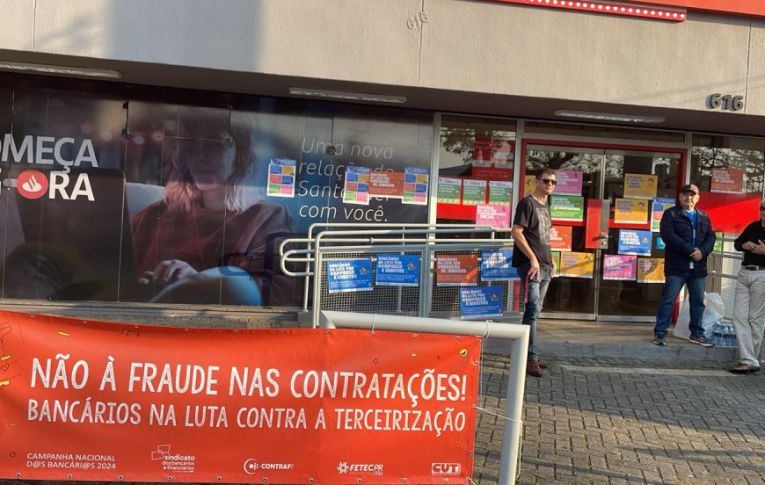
x,y
456,270
728,180
386,184
561,238
114,402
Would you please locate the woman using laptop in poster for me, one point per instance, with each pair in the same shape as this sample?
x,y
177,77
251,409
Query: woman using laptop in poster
x,y
208,241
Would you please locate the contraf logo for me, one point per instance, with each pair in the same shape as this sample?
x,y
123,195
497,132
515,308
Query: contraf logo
x,y
32,184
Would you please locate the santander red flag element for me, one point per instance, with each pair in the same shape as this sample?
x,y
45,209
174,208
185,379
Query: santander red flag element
x,y
116,402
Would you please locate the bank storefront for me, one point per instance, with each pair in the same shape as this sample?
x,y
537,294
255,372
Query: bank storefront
x,y
139,197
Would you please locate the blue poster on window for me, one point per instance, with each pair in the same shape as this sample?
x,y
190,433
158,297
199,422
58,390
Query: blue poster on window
x,y
345,275
496,265
397,270
635,242
481,302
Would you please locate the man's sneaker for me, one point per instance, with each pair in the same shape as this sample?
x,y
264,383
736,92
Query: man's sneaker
x,y
660,340
701,340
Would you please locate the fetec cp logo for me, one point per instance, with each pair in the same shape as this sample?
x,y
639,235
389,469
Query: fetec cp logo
x,y
32,184
343,468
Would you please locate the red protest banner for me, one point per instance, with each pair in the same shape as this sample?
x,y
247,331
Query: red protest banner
x,y
100,401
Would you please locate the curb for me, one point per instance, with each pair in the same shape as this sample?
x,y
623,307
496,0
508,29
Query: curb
x,y
629,350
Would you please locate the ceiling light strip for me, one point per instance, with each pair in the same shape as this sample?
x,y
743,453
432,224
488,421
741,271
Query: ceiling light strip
x,y
618,117
611,8
347,96
51,69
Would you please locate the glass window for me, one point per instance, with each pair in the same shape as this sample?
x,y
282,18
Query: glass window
x,y
186,201
726,164
476,163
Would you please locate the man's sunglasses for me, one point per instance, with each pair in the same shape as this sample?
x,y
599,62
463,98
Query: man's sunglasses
x,y
549,182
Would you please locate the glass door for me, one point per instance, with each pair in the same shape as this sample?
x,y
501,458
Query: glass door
x,y
638,186
579,172
609,253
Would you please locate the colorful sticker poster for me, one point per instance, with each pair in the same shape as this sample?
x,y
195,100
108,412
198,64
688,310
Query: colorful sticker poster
x,y
727,181
481,302
397,270
660,244
500,192
494,215
567,207
529,184
569,182
576,265
632,241
473,192
386,184
650,270
640,186
561,238
496,265
619,267
630,211
718,247
356,186
416,186
449,190
658,206
456,270
281,177
556,262
349,275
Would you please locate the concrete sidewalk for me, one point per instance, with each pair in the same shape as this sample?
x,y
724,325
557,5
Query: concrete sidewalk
x,y
617,420
613,409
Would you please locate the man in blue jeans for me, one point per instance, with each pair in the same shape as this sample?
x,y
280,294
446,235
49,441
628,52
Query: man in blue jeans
x,y
688,235
532,256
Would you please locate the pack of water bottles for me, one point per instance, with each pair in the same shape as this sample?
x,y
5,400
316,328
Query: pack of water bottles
x,y
724,334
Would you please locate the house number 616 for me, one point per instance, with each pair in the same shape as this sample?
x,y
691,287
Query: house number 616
x,y
725,102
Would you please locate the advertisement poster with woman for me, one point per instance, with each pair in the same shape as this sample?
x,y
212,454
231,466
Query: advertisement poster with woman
x,y
110,199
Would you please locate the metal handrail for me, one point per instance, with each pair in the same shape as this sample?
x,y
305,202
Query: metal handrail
x,y
325,238
316,225
287,256
425,248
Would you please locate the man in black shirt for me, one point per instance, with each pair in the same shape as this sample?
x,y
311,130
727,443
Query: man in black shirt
x,y
532,256
749,306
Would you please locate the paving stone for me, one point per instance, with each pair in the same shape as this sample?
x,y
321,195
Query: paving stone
x,y
678,424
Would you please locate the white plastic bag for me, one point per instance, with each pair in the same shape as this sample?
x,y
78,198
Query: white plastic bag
x,y
713,313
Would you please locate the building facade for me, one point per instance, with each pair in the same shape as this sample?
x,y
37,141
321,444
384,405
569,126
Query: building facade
x,y
158,151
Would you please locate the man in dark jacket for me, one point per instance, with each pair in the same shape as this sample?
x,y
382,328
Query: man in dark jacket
x,y
688,235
